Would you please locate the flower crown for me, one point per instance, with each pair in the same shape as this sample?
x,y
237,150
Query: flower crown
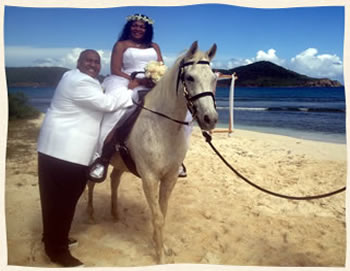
x,y
140,17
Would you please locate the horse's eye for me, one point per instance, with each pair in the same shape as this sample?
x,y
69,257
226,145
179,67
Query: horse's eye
x,y
190,78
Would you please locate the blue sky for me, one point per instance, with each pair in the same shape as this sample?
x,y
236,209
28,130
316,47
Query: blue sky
x,y
307,40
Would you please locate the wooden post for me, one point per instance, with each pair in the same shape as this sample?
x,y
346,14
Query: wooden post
x,y
232,91
233,77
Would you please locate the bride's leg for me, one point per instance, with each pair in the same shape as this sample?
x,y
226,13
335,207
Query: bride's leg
x,y
98,169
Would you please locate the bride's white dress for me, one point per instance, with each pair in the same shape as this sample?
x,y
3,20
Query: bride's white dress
x,y
134,60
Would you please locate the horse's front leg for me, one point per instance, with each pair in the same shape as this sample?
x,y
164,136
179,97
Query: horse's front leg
x,y
115,181
166,187
90,205
150,187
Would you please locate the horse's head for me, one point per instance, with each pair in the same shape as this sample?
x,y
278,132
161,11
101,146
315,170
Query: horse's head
x,y
199,82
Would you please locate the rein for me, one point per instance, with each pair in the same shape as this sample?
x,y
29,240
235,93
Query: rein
x,y
208,139
161,114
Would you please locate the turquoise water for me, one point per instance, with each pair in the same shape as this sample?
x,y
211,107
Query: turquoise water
x,y
310,113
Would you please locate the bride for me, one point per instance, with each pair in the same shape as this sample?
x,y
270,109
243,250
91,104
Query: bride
x,y
131,53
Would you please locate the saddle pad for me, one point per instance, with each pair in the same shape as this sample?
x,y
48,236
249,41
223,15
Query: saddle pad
x,y
124,127
127,121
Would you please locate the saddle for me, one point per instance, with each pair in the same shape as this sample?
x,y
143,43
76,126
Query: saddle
x,y
123,129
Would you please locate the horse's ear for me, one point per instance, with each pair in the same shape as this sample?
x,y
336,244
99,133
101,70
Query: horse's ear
x,y
193,49
211,52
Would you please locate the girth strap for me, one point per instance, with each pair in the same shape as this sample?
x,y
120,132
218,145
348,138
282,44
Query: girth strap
x,y
128,161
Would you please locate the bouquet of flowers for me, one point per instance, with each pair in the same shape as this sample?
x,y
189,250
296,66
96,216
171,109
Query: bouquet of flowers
x,y
155,70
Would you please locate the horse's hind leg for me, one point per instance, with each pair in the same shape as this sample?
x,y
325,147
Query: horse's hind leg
x,y
90,206
115,181
150,187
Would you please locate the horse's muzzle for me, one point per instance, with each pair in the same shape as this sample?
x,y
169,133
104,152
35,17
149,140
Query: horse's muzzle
x,y
208,120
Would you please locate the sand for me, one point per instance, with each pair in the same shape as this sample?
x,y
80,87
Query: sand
x,y
213,217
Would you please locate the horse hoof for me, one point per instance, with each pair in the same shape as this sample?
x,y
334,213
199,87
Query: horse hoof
x,y
161,260
168,251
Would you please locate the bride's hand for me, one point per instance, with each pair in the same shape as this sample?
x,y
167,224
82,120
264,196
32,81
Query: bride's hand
x,y
147,82
133,84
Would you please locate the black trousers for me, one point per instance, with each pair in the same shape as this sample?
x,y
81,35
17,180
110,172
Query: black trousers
x,y
61,184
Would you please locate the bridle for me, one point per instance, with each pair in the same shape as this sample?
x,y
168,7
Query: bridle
x,y
190,99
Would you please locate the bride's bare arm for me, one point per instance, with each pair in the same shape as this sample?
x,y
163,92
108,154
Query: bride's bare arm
x,y
117,60
159,54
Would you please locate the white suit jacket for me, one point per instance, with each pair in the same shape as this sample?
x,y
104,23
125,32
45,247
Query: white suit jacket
x,y
71,126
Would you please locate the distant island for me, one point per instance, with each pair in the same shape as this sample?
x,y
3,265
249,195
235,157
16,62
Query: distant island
x,y
34,76
258,74
267,74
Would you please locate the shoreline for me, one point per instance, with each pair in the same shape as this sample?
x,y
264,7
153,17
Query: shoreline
x,y
304,135
313,148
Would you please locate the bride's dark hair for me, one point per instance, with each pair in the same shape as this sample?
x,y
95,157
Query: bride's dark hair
x,y
147,38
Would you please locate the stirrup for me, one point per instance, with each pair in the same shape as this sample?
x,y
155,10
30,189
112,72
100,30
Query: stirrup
x,y
97,172
182,171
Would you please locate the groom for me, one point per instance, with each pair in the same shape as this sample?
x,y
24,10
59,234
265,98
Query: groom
x,y
66,144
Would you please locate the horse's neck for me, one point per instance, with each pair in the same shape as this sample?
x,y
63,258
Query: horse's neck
x,y
156,134
165,99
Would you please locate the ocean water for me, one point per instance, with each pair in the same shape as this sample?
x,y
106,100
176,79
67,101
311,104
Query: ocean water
x,y
308,113
39,97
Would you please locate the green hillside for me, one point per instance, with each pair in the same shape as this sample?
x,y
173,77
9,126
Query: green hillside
x,y
267,74
34,76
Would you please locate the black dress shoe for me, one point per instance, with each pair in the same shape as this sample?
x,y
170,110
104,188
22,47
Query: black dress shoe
x,y
72,242
65,259
97,172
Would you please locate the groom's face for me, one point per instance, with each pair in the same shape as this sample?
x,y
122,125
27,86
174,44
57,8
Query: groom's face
x,y
89,63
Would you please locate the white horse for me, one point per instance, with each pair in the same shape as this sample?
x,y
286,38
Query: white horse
x,y
157,144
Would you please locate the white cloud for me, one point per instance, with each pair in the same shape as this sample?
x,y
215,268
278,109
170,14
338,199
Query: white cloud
x,y
230,64
308,62
269,56
311,63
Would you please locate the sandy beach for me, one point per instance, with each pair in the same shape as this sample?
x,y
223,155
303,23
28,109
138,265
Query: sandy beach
x,y
213,216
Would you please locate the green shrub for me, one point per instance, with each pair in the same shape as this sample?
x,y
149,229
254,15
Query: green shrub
x,y
19,107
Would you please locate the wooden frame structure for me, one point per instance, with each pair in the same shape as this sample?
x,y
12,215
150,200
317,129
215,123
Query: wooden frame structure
x,y
233,77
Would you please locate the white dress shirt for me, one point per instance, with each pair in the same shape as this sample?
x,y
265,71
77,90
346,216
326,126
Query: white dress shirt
x,y
72,123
